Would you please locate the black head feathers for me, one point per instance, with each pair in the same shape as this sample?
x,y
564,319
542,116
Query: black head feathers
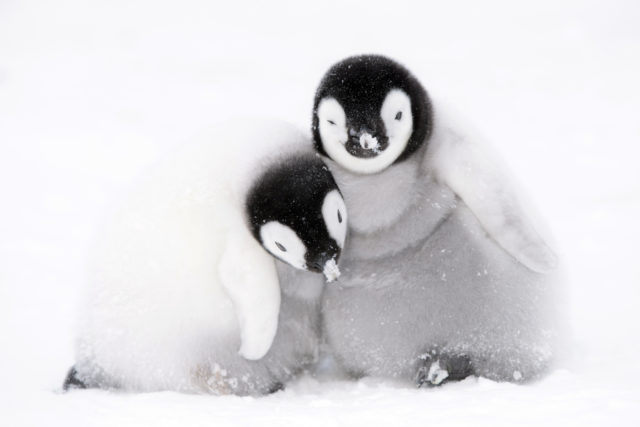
x,y
360,84
292,193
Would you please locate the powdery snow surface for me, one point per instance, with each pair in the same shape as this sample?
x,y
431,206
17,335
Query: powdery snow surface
x,y
91,93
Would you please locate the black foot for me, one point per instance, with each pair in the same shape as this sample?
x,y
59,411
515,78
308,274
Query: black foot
x,y
275,388
72,380
435,369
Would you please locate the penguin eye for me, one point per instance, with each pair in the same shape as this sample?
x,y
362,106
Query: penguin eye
x,y
339,217
282,248
399,115
332,122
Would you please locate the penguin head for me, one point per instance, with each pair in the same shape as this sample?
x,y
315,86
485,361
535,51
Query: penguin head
x,y
296,212
370,112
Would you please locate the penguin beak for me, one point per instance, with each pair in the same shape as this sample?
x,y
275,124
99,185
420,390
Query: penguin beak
x,y
365,143
365,137
326,263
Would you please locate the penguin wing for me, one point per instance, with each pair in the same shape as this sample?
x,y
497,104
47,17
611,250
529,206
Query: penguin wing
x,y
478,179
249,276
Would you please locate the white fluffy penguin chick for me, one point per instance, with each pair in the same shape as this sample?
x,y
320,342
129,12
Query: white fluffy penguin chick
x,y
445,274
183,295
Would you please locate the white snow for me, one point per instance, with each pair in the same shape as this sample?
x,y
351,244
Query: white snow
x,y
436,373
369,142
331,270
92,92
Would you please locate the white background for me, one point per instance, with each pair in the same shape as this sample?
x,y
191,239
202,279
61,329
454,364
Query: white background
x,y
91,92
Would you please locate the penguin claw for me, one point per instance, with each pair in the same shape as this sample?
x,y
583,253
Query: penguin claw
x,y
421,377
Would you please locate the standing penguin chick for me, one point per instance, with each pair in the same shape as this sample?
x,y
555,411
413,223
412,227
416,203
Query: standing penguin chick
x,y
445,275
184,295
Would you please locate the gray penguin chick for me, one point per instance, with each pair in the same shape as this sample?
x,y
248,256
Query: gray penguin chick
x,y
205,279
443,275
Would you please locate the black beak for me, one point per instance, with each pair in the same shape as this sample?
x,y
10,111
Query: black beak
x,y
318,262
354,135
365,142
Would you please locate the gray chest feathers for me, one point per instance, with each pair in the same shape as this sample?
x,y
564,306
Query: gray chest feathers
x,y
418,271
392,210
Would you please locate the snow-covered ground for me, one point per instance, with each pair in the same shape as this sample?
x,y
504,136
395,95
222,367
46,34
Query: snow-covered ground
x,y
91,92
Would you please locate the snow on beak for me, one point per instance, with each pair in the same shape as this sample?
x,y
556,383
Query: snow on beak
x,y
331,270
368,142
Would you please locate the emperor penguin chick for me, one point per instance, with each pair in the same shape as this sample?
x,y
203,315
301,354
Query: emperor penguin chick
x,y
205,280
445,274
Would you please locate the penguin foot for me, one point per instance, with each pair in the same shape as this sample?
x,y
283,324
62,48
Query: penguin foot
x,y
72,381
436,369
275,388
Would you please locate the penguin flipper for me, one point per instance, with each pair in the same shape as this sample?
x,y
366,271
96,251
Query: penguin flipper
x,y
249,276
478,179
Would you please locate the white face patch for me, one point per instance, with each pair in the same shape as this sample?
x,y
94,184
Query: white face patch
x,y
398,120
397,117
334,212
332,124
284,243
